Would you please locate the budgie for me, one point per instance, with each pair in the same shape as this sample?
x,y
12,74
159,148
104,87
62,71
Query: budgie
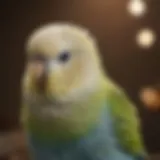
x,y
72,109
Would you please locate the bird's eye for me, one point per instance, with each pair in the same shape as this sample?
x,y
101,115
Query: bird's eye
x,y
64,56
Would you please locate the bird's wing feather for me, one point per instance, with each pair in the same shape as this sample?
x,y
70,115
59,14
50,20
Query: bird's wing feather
x,y
126,121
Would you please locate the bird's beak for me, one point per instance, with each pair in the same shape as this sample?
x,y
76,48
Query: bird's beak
x,y
39,72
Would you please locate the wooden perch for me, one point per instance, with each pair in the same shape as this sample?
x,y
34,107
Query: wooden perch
x,y
11,143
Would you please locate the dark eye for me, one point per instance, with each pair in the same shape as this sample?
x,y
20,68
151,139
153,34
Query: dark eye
x,y
64,57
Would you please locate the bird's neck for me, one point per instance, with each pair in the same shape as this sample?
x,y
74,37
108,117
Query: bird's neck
x,y
84,116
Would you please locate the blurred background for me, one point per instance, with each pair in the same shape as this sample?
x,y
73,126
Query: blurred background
x,y
128,33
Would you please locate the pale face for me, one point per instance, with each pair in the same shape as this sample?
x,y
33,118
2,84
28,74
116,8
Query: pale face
x,y
62,64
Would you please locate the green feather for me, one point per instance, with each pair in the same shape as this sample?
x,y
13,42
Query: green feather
x,y
126,120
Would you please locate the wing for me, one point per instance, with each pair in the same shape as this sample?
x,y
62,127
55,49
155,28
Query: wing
x,y
126,121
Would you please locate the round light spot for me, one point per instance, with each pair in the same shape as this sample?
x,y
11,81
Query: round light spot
x,y
137,7
150,97
146,38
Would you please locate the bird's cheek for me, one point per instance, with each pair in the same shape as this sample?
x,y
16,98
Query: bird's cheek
x,y
57,85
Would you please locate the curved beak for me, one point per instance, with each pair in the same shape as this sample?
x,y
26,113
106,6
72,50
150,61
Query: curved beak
x,y
39,70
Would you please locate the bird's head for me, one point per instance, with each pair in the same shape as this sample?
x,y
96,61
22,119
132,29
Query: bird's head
x,y
62,63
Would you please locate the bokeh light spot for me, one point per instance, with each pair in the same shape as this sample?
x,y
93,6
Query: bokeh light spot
x,y
137,8
146,38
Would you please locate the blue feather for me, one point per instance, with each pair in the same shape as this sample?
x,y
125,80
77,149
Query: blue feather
x,y
100,144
